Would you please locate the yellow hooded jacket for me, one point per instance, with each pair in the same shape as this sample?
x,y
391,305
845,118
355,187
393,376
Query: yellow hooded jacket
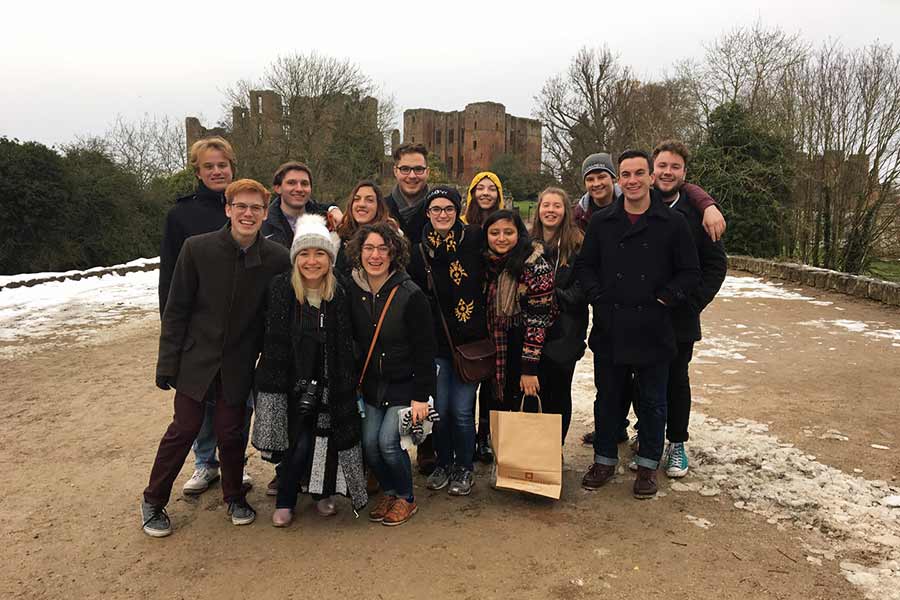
x,y
478,177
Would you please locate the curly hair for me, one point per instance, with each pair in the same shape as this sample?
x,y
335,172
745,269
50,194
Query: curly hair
x,y
398,244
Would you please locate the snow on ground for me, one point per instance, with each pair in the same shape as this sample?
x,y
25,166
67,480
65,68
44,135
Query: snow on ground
x,y
76,310
868,329
754,287
140,262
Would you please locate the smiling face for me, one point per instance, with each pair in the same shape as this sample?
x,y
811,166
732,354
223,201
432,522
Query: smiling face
x,y
669,171
247,211
411,183
364,205
313,265
635,179
214,169
551,211
502,236
486,194
295,189
599,185
375,256
442,213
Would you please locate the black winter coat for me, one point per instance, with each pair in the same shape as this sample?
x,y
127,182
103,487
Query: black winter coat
x,y
626,270
200,212
214,315
402,366
564,344
283,361
276,226
713,266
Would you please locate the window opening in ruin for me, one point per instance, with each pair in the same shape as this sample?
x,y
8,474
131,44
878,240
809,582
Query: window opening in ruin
x,y
496,126
450,137
461,168
437,137
462,136
474,144
450,165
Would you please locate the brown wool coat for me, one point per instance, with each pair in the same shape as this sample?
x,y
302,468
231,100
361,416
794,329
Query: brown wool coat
x,y
214,316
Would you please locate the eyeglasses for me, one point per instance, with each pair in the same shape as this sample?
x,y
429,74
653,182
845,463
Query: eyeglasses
x,y
437,210
371,248
256,209
418,169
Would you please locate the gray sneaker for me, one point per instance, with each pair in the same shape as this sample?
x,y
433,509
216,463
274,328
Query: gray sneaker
x,y
241,513
155,521
438,479
461,482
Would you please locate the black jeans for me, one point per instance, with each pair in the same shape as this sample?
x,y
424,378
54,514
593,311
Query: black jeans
x,y
294,468
679,394
556,391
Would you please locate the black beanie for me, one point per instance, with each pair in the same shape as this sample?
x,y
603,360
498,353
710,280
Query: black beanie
x,y
444,191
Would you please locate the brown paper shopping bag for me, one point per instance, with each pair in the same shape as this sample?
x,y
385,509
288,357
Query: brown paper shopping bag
x,y
528,451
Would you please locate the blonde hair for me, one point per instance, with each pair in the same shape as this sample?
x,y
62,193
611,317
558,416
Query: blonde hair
x,y
328,288
242,186
213,143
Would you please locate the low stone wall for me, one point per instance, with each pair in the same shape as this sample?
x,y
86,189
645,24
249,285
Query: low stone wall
x,y
824,279
76,275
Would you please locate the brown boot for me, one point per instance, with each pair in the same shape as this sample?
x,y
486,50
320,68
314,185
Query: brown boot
x,y
376,515
645,483
401,511
597,475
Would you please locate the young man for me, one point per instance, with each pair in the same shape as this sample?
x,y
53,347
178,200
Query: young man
x,y
406,200
599,177
670,160
292,183
203,211
209,342
637,262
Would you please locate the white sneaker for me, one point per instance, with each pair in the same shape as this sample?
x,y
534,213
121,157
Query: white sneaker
x,y
200,480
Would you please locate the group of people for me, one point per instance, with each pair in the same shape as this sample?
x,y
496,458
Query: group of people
x,y
352,335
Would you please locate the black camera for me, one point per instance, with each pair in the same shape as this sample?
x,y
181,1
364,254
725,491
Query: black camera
x,y
308,398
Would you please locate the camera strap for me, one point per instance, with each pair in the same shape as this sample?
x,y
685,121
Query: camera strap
x,y
384,310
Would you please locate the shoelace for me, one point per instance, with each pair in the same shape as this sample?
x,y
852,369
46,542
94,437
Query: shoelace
x,y
676,454
157,512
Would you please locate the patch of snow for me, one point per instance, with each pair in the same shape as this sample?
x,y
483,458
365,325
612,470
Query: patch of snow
x,y
701,523
867,329
140,262
754,287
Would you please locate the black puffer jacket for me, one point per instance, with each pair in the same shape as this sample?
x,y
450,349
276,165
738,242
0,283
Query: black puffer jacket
x,y
200,212
282,358
402,365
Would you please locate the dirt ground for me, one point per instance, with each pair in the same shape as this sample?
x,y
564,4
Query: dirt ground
x,y
81,426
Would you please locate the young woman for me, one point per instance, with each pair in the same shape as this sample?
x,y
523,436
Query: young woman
x,y
519,305
453,254
366,205
306,407
485,197
401,372
555,228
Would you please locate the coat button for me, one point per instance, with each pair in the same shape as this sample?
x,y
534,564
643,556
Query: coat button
x,y
619,276
643,277
640,308
616,306
621,245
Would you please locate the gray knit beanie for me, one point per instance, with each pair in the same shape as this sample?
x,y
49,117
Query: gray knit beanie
x,y
312,232
601,161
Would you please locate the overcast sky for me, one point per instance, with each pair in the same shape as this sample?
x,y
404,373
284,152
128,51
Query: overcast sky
x,y
69,69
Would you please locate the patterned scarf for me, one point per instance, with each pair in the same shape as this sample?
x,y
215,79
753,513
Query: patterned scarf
x,y
503,313
456,269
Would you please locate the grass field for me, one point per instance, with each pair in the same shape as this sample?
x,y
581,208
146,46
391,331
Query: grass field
x,y
888,270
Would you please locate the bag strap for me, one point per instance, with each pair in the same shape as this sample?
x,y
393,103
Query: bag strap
x,y
375,336
540,406
434,291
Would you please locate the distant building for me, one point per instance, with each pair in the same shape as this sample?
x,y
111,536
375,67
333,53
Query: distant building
x,y
469,140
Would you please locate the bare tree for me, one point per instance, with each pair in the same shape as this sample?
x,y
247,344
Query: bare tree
x,y
150,147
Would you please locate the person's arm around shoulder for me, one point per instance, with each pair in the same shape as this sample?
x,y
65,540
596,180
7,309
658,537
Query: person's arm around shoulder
x,y
176,317
713,267
713,219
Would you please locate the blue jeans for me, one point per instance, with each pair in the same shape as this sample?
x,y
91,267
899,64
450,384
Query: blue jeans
x,y
611,407
205,443
381,446
454,434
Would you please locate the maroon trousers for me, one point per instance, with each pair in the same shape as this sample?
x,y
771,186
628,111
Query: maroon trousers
x,y
228,424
